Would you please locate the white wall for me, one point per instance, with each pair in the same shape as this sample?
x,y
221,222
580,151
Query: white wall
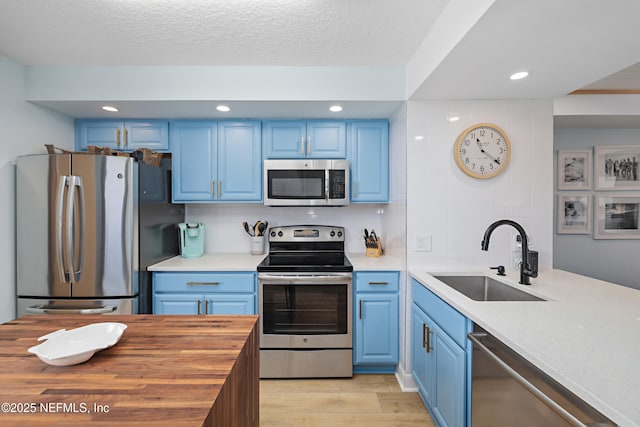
x,y
454,209
614,261
25,130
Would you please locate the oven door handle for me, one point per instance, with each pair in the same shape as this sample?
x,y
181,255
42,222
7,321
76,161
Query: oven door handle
x,y
304,277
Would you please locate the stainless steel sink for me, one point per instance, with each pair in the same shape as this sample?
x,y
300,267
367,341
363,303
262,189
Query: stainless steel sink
x,y
484,288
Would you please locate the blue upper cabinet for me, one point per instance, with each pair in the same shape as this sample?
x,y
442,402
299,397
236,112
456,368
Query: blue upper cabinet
x,y
368,154
216,161
123,135
321,139
239,161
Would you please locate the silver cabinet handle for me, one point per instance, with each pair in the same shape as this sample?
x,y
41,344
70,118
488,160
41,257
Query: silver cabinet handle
x,y
308,146
202,283
354,189
40,309
124,138
219,188
302,145
213,188
118,137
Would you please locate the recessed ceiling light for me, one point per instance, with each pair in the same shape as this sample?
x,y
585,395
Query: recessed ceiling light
x,y
335,108
418,137
452,118
110,108
223,108
519,75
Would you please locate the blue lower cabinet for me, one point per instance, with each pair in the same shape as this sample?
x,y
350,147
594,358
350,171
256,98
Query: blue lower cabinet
x,y
441,357
376,322
204,293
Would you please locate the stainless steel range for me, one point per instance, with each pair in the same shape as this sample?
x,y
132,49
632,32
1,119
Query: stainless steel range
x,y
305,304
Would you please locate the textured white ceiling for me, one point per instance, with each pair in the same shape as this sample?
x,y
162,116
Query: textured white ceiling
x,y
215,32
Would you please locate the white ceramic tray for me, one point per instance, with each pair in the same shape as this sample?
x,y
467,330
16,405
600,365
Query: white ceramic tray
x,y
63,348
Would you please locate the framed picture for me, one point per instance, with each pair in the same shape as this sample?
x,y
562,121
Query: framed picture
x,y
574,214
616,167
617,216
574,170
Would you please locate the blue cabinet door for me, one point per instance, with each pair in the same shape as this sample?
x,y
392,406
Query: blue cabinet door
x,y
194,161
239,161
376,328
421,364
295,139
230,303
179,303
448,403
123,135
101,133
368,153
284,139
152,134
327,139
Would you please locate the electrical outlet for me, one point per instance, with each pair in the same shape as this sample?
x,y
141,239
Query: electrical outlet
x,y
422,242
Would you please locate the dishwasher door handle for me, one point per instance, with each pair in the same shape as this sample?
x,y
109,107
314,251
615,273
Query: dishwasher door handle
x,y
474,337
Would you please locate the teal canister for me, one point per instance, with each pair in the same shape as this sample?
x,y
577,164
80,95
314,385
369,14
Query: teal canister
x,y
191,239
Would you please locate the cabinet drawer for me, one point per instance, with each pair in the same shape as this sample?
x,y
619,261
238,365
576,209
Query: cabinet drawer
x,y
204,282
377,281
448,318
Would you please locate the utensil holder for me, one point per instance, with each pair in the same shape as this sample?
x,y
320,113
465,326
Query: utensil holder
x,y
257,245
374,252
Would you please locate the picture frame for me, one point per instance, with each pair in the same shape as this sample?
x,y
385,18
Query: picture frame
x,y
574,214
574,169
617,216
616,167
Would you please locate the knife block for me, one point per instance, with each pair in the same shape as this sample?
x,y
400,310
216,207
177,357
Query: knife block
x,y
374,252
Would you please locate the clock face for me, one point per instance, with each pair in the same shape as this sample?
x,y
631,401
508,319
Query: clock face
x,y
482,150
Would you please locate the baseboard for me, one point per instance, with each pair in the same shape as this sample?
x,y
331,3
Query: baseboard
x,y
405,379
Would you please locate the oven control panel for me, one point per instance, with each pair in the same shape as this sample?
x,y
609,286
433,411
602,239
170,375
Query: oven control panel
x,y
306,233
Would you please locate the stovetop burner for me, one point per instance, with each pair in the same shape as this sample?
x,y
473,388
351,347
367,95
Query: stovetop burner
x,y
306,248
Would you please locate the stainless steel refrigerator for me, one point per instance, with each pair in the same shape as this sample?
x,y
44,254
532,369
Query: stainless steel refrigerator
x,y
88,226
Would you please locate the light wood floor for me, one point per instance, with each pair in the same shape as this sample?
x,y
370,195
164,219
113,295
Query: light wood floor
x,y
361,401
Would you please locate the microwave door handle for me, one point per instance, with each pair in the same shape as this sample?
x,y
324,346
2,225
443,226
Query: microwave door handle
x,y
327,175
62,186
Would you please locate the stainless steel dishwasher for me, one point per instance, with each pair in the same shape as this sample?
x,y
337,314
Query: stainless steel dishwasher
x,y
507,390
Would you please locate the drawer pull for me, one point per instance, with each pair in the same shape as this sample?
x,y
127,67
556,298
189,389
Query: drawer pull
x,y
360,309
428,344
206,307
202,283
199,303
379,283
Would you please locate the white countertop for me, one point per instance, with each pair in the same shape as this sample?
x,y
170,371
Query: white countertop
x,y
586,336
247,262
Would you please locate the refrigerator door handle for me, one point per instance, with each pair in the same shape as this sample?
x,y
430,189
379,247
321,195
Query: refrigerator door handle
x,y
62,186
74,182
40,309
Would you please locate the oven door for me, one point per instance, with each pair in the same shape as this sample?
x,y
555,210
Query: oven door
x,y
305,311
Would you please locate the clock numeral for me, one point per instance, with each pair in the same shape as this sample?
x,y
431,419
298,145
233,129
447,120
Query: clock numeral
x,y
466,142
482,169
473,165
466,160
483,132
463,151
490,165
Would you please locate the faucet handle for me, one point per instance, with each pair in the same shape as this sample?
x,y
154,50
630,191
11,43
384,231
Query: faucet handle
x,y
500,269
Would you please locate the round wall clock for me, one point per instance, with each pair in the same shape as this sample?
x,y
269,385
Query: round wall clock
x,y
482,150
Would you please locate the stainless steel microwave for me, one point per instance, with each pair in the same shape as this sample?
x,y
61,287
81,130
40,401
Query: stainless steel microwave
x,y
306,182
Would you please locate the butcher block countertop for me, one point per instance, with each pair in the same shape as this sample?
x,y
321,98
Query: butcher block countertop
x,y
165,370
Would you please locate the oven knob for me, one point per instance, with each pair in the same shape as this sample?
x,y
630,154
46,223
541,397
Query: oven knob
x,y
339,233
273,234
280,234
333,233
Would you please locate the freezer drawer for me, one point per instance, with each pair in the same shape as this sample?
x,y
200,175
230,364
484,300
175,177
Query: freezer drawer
x,y
76,306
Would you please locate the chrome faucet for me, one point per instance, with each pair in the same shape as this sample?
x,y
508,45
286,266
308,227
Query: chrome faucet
x,y
526,271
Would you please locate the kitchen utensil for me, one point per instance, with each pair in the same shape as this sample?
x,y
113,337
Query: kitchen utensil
x,y
256,228
246,228
261,228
